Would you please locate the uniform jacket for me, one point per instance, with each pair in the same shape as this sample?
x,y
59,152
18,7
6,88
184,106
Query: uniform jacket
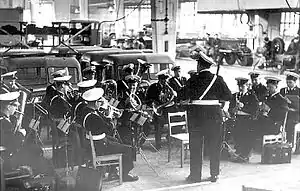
x,y
260,91
59,106
50,93
249,100
8,139
287,91
278,107
93,121
196,85
177,84
293,115
153,94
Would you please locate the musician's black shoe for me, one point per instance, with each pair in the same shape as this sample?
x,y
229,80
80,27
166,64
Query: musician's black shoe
x,y
191,179
211,179
112,176
240,159
130,178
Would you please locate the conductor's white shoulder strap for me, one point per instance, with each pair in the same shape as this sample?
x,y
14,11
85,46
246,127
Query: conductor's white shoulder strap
x,y
208,87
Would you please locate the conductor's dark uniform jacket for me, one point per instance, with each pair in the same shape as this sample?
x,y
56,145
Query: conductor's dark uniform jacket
x,y
195,87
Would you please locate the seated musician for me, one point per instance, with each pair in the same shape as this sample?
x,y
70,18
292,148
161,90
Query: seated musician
x,y
8,81
258,88
292,93
18,152
60,103
104,143
274,108
177,82
160,96
127,102
243,107
80,104
51,90
121,84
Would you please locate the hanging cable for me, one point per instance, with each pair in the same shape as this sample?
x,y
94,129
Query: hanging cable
x,y
288,4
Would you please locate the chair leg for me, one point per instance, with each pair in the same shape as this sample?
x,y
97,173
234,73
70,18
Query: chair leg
x,y
169,149
182,155
120,170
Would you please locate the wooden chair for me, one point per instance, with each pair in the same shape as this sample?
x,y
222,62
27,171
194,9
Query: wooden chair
x,y
183,136
296,138
106,160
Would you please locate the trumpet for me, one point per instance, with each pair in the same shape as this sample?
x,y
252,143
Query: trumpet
x,y
109,111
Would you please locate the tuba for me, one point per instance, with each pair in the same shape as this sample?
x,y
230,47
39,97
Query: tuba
x,y
166,97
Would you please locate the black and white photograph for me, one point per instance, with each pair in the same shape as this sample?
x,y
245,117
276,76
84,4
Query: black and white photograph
x,y
149,95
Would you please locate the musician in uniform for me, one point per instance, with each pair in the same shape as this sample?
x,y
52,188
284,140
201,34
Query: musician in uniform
x,y
259,89
160,95
8,81
192,72
243,107
18,152
105,144
177,82
80,104
275,108
51,90
60,104
205,91
128,103
291,92
122,86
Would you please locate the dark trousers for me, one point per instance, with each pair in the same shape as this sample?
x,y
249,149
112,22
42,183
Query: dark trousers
x,y
209,130
243,134
292,120
110,145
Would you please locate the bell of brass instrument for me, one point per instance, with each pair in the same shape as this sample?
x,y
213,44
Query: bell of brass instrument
x,y
166,96
110,111
20,116
110,88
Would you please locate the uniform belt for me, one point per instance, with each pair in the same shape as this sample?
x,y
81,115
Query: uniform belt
x,y
206,102
96,137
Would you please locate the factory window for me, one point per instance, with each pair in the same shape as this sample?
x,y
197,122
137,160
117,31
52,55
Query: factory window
x,y
289,24
72,72
31,76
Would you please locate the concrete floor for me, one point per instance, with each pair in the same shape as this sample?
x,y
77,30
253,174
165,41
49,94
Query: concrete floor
x,y
284,177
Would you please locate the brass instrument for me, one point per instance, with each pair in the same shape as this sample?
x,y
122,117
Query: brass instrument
x,y
109,111
110,89
166,96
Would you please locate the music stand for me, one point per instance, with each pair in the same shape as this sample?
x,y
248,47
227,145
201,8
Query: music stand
x,y
138,135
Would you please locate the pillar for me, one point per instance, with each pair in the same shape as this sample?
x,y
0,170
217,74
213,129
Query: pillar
x,y
164,33
120,26
84,9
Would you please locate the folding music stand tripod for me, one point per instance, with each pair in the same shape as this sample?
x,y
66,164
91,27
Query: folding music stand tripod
x,y
138,135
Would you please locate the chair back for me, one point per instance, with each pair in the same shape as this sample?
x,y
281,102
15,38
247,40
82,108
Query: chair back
x,y
270,139
177,122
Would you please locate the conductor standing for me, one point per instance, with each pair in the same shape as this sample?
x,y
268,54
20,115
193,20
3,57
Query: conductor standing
x,y
205,91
